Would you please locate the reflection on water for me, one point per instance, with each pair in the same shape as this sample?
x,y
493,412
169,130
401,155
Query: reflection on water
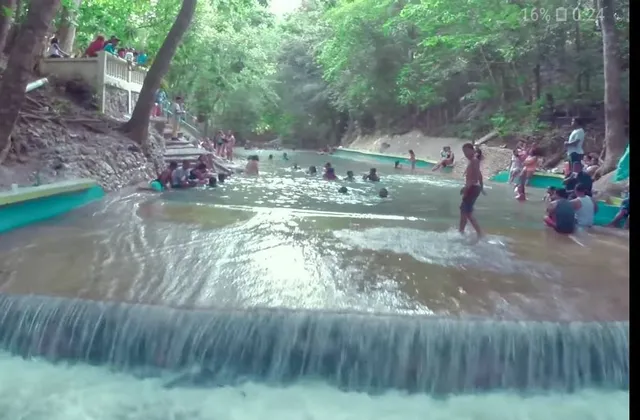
x,y
285,239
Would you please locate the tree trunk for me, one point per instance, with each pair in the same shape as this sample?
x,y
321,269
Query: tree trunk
x,y
138,126
614,113
7,11
67,28
21,61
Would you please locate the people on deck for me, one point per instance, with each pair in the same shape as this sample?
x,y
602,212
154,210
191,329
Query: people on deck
x,y
622,215
412,159
141,58
575,152
578,176
252,165
350,176
561,215
112,45
95,47
584,206
472,188
446,158
55,51
372,175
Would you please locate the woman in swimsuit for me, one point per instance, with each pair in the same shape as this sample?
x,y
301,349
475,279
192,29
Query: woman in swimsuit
x,y
412,159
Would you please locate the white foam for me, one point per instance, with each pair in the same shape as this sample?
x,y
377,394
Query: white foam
x,y
37,390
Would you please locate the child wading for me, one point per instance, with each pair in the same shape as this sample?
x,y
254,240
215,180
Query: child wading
x,y
472,188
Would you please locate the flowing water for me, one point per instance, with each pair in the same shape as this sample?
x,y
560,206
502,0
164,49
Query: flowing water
x,y
260,289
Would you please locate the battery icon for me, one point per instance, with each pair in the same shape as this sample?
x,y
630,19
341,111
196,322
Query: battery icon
x,y
561,14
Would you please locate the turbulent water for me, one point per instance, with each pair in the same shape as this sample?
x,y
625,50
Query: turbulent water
x,y
279,296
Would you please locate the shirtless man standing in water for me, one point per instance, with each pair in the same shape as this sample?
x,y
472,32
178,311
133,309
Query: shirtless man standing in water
x,y
472,188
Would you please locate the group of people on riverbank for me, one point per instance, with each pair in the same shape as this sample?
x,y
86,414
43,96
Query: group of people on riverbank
x,y
222,144
187,175
573,206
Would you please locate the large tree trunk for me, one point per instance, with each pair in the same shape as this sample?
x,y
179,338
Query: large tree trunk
x,y
138,126
67,29
7,11
614,112
20,63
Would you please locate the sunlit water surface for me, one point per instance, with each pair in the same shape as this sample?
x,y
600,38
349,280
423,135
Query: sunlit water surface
x,y
285,239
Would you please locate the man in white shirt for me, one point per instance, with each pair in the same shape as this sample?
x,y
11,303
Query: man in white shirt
x,y
178,112
575,152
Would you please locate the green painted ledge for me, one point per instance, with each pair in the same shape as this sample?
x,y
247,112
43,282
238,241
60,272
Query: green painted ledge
x,y
386,158
34,204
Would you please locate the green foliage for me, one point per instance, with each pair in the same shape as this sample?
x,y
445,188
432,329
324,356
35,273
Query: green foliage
x,y
350,66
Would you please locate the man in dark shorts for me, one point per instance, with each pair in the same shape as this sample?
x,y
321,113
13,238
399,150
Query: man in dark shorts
x,y
471,190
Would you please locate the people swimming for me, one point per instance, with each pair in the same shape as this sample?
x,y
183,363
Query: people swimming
x,y
180,178
446,158
412,159
372,175
383,193
330,174
270,157
585,207
397,165
252,165
312,170
472,188
284,156
561,215
343,190
350,176
164,178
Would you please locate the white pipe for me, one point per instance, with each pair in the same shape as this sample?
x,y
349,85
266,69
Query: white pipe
x,y
35,85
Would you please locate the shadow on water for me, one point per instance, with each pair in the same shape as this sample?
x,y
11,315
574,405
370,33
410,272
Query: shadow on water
x,y
354,352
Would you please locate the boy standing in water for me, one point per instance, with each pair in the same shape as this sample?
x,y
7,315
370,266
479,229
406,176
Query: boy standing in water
x,y
472,188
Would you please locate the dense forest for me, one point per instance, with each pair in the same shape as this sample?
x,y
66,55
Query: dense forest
x,y
339,68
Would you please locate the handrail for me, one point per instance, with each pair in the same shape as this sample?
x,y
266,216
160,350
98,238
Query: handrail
x,y
195,130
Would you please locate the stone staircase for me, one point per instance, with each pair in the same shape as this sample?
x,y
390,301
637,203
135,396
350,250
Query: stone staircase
x,y
184,148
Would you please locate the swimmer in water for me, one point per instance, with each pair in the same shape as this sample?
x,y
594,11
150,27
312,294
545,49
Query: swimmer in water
x,y
372,175
270,157
349,176
330,174
561,215
397,165
383,193
472,188
284,156
252,165
295,166
312,170
551,191
164,178
343,190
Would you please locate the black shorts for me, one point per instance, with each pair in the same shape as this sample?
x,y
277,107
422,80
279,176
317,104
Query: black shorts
x,y
469,199
575,157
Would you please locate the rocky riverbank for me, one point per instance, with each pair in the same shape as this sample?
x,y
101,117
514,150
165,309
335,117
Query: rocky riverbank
x,y
56,139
